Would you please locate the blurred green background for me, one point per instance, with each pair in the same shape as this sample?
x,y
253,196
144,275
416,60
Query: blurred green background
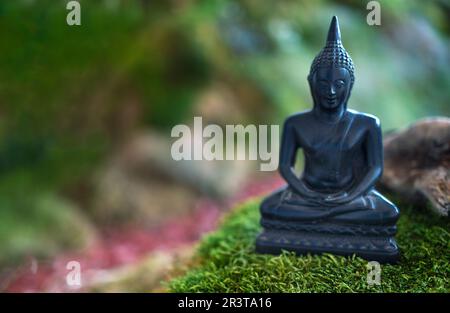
x,y
71,95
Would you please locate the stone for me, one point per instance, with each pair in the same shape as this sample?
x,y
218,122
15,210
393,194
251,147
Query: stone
x,y
417,163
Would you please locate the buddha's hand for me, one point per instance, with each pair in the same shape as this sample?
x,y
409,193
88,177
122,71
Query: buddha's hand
x,y
336,198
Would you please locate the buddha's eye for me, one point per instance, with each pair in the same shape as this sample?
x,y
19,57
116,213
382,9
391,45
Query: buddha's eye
x,y
340,83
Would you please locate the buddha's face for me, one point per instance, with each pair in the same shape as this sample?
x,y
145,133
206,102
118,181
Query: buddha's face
x,y
331,87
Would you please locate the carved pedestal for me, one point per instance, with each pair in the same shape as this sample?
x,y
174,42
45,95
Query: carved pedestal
x,y
373,243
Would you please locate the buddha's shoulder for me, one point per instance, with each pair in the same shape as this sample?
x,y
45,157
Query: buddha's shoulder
x,y
299,118
364,119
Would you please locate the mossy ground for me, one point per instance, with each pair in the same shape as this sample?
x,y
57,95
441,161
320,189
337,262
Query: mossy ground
x,y
226,261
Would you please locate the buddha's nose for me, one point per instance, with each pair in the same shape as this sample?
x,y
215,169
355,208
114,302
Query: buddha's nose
x,y
332,91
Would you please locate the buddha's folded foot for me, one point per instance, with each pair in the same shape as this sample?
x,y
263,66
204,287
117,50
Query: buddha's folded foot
x,y
370,209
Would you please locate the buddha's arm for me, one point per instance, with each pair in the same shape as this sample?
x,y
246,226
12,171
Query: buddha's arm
x,y
288,154
374,148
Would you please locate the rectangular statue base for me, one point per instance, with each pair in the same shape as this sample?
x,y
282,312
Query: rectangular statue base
x,y
382,249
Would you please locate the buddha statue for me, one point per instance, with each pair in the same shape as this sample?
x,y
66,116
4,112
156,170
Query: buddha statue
x,y
333,206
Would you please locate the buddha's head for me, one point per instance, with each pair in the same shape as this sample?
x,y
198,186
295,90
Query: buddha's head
x,y
331,76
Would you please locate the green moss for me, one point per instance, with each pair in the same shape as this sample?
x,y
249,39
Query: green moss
x,y
228,263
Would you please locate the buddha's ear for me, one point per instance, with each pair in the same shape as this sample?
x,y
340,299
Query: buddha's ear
x,y
311,81
311,78
349,92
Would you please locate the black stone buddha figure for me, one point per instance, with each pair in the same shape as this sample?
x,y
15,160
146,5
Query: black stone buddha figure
x,y
333,206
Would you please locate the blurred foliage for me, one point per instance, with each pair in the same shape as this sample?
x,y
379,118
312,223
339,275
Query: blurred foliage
x,y
39,225
69,94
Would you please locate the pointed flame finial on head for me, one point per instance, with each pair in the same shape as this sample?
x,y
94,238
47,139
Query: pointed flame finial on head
x,y
334,33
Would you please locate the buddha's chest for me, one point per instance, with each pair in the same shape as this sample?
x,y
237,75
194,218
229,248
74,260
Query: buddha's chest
x,y
330,145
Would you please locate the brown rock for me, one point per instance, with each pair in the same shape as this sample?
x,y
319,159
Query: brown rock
x,y
417,163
